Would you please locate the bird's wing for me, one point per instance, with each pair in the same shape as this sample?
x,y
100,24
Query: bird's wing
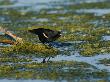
x,y
45,35
49,33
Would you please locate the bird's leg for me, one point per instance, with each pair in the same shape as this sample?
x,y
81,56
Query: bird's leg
x,y
50,45
48,59
44,60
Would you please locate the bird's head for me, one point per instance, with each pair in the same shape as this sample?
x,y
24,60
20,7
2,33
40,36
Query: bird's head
x,y
59,33
31,31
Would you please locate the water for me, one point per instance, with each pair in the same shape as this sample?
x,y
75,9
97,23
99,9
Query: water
x,y
31,5
1,33
94,60
34,1
106,38
25,6
5,45
76,80
97,12
5,80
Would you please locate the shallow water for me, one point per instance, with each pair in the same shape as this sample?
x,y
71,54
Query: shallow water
x,y
97,12
5,45
89,80
37,5
94,60
106,38
5,80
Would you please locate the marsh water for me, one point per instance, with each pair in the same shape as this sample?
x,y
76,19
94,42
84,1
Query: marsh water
x,y
78,20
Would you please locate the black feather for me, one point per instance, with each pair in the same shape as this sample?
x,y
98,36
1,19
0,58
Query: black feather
x,y
46,35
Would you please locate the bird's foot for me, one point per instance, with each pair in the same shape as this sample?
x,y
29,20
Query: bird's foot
x,y
44,60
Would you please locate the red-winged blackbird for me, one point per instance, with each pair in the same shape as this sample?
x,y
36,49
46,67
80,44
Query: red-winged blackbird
x,y
46,35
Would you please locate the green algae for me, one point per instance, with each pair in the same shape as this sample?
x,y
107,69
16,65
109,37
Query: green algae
x,y
101,5
75,32
94,48
14,59
6,2
38,50
55,70
105,61
74,27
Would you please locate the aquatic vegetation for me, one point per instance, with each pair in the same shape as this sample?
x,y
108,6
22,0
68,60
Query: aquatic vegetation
x,y
6,2
100,74
14,59
85,32
74,37
27,48
65,69
101,5
105,61
94,48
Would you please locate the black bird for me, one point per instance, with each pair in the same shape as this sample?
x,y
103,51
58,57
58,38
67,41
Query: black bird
x,y
46,35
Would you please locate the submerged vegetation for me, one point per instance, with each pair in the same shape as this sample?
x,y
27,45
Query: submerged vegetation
x,y
26,49
81,32
105,61
55,70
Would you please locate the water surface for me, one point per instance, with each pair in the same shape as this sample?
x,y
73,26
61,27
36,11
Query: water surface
x,y
51,13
